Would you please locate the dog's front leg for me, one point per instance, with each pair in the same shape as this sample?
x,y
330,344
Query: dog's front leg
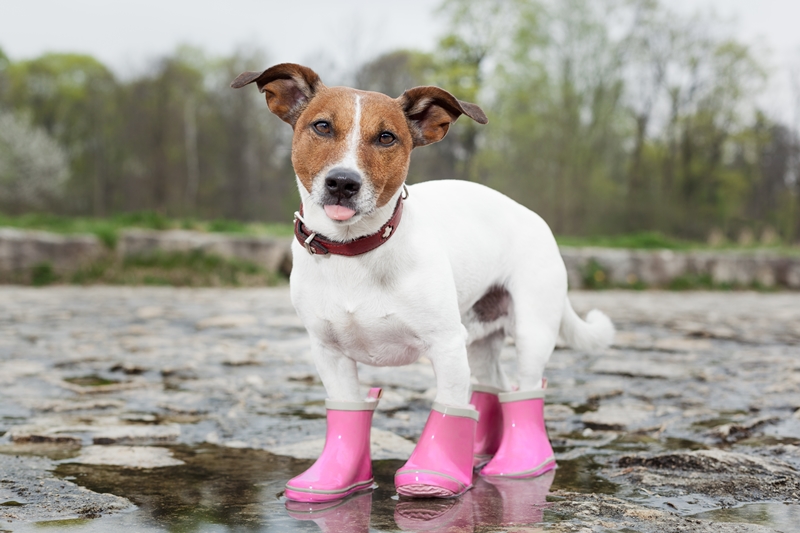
x,y
441,464
345,465
451,366
338,372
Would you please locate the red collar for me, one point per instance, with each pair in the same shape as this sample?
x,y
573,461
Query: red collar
x,y
316,244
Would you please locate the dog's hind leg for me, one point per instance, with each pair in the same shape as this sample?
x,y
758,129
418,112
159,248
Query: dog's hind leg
x,y
525,449
537,314
484,361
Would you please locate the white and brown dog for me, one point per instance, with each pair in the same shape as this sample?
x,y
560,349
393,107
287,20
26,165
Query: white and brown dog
x,y
385,274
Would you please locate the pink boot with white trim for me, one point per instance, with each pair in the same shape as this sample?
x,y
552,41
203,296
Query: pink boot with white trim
x,y
489,431
441,464
525,450
345,465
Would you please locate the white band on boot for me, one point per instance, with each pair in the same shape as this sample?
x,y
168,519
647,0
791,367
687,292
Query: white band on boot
x,y
455,411
337,405
485,388
520,395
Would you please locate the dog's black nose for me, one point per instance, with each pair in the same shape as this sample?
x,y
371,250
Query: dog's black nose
x,y
343,183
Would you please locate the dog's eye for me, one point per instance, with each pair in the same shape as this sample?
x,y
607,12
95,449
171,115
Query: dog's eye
x,y
386,138
322,127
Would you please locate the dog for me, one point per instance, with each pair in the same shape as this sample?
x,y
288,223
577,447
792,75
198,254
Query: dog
x,y
384,274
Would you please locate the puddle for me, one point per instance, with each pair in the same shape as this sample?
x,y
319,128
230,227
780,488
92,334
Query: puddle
x,y
779,516
91,381
236,488
580,475
232,489
228,489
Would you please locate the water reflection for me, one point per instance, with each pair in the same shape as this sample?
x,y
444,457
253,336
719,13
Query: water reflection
x,y
225,489
350,515
491,502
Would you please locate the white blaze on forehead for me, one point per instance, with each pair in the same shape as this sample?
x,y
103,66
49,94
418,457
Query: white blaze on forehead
x,y
350,159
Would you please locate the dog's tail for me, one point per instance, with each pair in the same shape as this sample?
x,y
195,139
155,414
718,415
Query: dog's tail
x,y
596,333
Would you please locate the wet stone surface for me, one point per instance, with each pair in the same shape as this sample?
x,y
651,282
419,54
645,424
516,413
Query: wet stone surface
x,y
161,409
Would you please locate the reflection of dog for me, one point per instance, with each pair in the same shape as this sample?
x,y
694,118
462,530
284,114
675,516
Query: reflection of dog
x,y
383,275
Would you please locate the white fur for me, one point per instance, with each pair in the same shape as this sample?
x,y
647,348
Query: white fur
x,y
414,295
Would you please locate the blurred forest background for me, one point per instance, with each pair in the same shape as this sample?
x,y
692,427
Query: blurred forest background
x,y
606,117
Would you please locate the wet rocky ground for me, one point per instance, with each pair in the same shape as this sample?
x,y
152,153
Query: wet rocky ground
x,y
163,409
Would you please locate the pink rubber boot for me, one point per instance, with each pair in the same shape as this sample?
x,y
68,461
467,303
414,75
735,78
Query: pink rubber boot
x,y
345,465
525,450
490,423
441,464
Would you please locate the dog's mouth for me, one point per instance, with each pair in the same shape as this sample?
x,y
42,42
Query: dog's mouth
x,y
339,212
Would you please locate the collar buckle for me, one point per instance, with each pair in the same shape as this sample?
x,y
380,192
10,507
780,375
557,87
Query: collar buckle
x,y
307,243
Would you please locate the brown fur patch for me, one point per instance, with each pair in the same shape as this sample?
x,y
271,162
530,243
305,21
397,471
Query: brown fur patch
x,y
288,87
386,166
312,152
494,304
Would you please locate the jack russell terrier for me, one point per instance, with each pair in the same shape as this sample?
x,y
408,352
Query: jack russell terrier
x,y
384,274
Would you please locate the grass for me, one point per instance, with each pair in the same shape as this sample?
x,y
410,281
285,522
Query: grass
x,y
653,240
177,269
108,229
649,240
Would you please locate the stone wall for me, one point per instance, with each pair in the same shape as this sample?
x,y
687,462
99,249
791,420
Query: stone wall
x,y
659,268
272,253
22,250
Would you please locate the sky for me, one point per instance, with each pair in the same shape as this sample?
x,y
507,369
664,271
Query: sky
x,y
125,35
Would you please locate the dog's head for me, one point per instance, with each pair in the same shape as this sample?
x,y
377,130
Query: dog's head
x,y
351,148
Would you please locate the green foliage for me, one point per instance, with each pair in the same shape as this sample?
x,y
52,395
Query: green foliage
x,y
42,274
182,269
227,226
108,229
595,277
648,240
142,219
33,166
691,283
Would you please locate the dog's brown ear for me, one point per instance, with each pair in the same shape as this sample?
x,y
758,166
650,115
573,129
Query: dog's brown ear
x,y
288,87
431,110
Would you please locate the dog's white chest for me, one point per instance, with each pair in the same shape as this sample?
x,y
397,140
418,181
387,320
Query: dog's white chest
x,y
353,315
381,339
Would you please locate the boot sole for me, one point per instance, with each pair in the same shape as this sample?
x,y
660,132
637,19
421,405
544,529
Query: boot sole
x,y
322,496
428,487
549,465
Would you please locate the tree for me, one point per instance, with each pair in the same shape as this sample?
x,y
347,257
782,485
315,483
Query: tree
x,y
33,166
71,97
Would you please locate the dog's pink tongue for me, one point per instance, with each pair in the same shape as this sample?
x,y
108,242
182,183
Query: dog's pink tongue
x,y
339,212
